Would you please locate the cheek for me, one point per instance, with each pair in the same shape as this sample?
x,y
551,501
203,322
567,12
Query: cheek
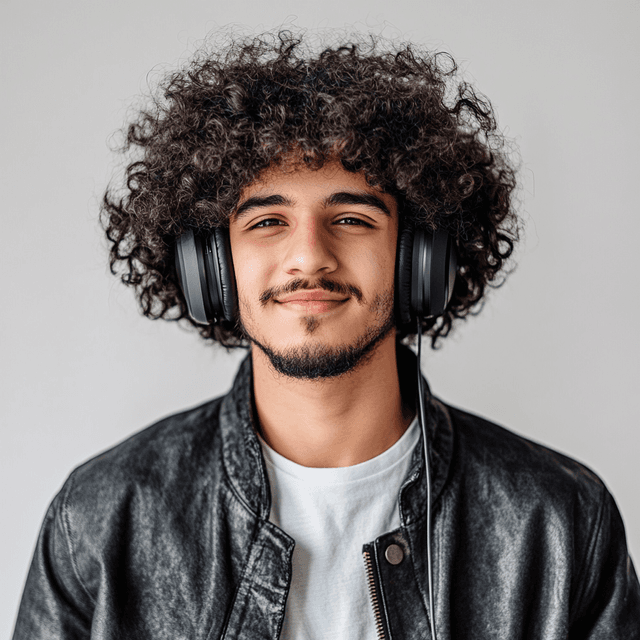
x,y
379,265
253,271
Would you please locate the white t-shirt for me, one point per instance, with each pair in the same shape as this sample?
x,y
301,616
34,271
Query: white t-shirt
x,y
331,513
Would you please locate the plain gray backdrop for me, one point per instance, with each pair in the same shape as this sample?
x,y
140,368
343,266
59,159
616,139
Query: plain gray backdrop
x,y
554,355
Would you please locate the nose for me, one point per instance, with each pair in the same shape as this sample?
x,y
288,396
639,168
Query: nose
x,y
309,251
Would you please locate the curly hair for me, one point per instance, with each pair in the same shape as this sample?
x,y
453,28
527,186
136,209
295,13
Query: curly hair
x,y
400,116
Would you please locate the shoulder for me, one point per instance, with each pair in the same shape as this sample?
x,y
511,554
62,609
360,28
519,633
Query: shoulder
x,y
154,461
554,511
494,459
124,502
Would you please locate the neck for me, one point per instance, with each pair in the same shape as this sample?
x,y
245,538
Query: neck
x,y
334,422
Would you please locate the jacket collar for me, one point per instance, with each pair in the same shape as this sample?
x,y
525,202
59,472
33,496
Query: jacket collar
x,y
440,442
245,466
242,455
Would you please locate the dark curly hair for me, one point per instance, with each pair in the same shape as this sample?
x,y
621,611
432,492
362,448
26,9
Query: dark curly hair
x,y
398,115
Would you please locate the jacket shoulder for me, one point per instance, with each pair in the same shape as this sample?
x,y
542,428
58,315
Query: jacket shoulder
x,y
156,451
127,496
151,467
554,511
519,466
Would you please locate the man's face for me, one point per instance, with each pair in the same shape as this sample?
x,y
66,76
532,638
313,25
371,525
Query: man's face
x,y
314,257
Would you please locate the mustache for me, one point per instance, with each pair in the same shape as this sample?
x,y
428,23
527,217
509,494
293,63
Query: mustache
x,y
324,283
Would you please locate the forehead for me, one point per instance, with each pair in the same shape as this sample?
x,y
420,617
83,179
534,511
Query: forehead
x,y
301,184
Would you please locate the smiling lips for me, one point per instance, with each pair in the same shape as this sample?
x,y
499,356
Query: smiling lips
x,y
311,301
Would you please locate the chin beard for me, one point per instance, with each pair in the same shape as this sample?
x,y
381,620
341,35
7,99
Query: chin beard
x,y
318,361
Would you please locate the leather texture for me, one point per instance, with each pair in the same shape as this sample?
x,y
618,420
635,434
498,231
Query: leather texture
x,y
166,537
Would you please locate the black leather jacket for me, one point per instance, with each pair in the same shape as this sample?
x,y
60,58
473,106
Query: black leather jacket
x,y
167,537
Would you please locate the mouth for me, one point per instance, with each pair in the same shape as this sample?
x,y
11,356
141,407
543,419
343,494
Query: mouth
x,y
311,296
311,302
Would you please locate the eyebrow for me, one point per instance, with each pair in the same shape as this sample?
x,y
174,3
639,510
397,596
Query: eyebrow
x,y
257,202
363,198
340,197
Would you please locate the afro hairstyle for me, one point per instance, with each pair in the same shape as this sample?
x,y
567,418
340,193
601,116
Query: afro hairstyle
x,y
399,115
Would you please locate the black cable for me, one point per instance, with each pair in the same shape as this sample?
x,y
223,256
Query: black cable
x,y
427,468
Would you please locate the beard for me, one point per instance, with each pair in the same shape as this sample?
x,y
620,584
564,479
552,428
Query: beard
x,y
319,361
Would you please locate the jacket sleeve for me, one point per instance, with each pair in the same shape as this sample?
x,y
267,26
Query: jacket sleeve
x,y
55,604
609,593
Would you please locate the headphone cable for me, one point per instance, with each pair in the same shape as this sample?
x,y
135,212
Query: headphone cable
x,y
427,467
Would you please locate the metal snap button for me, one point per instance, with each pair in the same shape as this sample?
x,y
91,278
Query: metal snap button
x,y
394,554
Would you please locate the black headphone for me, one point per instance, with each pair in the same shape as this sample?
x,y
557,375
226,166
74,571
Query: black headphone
x,y
205,272
425,273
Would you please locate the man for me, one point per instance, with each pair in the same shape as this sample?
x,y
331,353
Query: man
x,y
324,209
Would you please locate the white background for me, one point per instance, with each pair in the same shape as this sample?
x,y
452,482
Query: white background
x,y
554,355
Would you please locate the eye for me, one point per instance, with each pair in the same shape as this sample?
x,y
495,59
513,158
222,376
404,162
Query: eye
x,y
267,222
354,222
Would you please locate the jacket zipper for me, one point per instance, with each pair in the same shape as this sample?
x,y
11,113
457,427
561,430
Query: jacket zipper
x,y
373,594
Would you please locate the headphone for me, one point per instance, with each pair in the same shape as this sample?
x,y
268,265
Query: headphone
x,y
426,265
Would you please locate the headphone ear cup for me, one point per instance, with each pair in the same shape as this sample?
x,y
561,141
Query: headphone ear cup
x,y
191,276
443,271
206,276
403,276
452,271
224,278
433,272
